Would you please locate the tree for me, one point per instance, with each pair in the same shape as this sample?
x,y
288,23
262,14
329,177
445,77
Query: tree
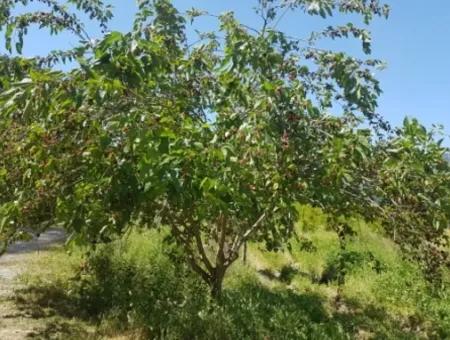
x,y
15,168
413,193
217,140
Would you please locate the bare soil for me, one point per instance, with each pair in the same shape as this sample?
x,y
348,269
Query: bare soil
x,y
16,323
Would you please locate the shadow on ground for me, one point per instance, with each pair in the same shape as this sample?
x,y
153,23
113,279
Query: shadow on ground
x,y
60,330
46,301
54,310
373,322
252,308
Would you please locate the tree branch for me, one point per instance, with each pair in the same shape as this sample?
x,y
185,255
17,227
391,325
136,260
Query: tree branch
x,y
220,257
201,250
191,259
239,240
190,254
253,227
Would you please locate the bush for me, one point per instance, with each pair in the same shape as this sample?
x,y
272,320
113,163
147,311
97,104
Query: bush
x,y
350,260
138,283
135,283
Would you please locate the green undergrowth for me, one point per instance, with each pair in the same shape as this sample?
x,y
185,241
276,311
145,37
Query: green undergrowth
x,y
140,288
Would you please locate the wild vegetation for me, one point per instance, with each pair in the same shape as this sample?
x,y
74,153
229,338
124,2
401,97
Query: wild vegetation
x,y
215,149
140,287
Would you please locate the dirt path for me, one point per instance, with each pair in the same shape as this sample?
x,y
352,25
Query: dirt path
x,y
14,323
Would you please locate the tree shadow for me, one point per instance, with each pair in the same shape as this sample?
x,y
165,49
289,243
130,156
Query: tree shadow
x,y
309,303
252,308
259,311
292,314
58,315
43,301
60,330
374,322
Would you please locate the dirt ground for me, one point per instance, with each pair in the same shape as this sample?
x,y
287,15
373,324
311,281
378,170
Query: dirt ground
x,y
16,323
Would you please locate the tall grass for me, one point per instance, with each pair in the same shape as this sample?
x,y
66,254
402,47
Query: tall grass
x,y
141,286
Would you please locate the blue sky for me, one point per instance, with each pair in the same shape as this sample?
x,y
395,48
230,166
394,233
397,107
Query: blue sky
x,y
414,41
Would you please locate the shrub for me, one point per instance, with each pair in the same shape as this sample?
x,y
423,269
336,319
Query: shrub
x,y
138,284
135,283
350,261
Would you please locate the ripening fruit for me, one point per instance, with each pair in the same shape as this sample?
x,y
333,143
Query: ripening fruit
x,y
301,185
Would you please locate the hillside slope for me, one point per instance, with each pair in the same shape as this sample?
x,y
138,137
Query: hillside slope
x,y
136,289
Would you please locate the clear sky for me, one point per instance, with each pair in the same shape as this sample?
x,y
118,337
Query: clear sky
x,y
414,41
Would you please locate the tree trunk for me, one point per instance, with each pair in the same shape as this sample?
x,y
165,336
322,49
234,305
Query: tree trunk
x,y
244,257
216,282
341,268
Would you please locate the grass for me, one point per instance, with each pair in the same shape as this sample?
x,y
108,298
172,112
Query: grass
x,y
137,288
